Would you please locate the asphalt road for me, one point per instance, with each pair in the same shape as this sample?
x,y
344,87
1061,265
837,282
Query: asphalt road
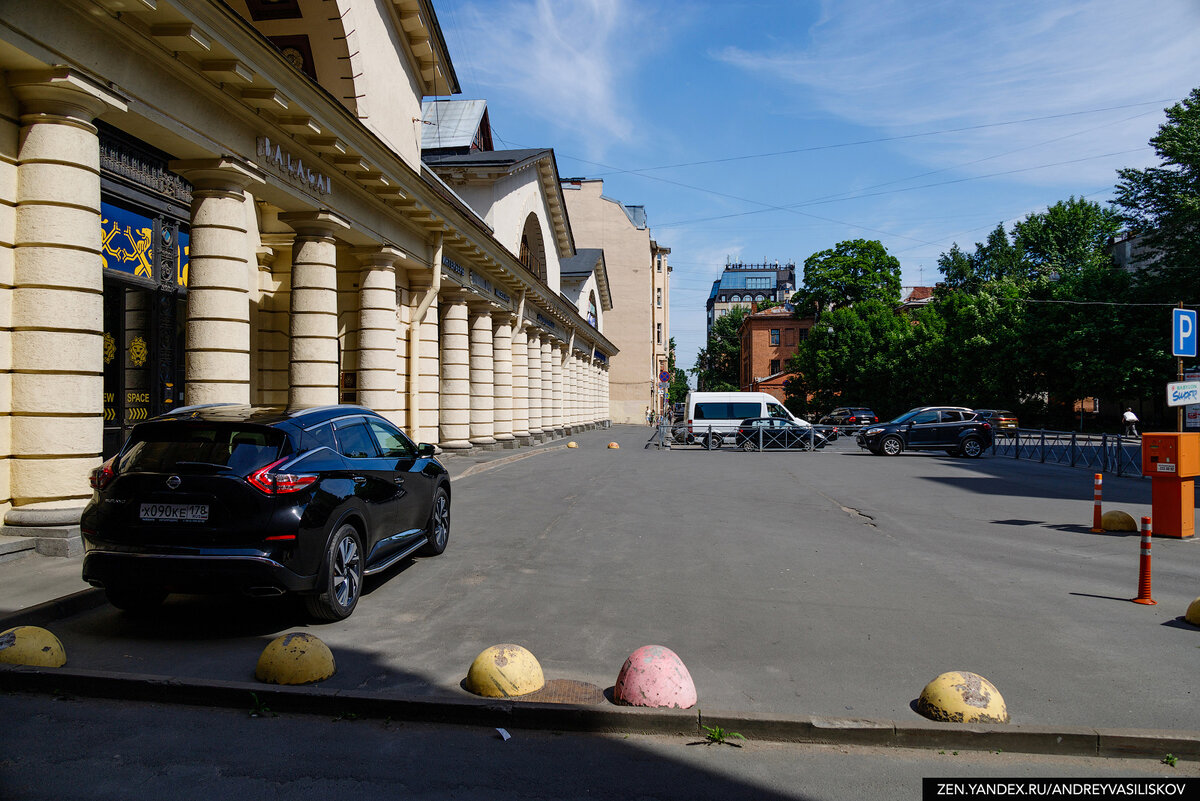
x,y
834,583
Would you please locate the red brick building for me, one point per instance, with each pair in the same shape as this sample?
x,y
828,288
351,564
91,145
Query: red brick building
x,y
769,338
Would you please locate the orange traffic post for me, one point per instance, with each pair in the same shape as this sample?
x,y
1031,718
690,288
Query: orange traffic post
x,y
1096,525
1144,568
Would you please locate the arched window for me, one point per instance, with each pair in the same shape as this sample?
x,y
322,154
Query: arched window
x,y
533,251
759,297
735,298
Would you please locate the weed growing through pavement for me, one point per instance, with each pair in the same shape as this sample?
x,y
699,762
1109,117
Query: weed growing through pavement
x,y
259,709
716,735
1169,759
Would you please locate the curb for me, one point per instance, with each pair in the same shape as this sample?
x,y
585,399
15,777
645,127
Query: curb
x,y
50,611
516,714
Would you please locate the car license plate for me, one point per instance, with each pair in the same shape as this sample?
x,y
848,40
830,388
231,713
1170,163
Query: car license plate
x,y
175,512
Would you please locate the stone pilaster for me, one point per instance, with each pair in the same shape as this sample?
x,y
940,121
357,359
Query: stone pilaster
x,y
483,386
456,373
520,379
502,352
217,334
313,352
57,315
548,420
377,386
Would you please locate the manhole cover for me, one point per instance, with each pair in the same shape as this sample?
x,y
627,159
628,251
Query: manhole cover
x,y
566,691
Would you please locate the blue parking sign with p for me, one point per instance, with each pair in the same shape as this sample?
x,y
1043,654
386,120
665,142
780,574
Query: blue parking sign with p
x,y
1183,333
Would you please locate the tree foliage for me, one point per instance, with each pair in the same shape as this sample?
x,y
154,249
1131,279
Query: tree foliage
x,y
718,362
851,272
1161,205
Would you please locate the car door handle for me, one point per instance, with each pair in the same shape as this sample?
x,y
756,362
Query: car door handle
x,y
360,479
400,480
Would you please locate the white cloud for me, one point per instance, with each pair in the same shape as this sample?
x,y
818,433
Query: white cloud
x,y
904,67
567,63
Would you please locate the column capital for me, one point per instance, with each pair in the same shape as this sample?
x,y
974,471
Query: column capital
x,y
222,174
378,255
321,223
65,92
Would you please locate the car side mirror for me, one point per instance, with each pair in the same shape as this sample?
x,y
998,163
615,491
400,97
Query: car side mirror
x,y
425,450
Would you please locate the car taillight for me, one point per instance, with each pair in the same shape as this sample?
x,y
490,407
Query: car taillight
x,y
852,419
103,475
278,483
987,425
689,424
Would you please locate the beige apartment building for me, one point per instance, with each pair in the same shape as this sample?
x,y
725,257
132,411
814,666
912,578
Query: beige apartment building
x,y
639,278
225,202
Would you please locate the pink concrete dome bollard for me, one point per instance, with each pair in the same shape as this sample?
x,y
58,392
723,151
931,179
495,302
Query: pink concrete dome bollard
x,y
654,675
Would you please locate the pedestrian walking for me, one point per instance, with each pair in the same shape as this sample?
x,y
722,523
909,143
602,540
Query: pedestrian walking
x,y
1131,421
649,416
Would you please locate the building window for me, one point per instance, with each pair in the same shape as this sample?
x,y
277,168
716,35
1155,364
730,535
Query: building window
x,y
774,366
658,333
658,263
803,333
774,336
658,297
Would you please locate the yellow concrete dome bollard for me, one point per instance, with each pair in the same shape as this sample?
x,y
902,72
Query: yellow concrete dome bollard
x,y
505,671
1118,521
572,444
1193,613
962,697
295,658
613,446
33,646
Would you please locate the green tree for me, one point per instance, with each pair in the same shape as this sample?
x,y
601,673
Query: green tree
x,y
718,363
1161,205
677,390
849,273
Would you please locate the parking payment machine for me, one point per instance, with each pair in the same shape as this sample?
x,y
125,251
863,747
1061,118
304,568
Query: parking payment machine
x,y
1172,461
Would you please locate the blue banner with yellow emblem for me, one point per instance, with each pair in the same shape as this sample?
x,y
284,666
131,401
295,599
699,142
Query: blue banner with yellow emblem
x,y
127,244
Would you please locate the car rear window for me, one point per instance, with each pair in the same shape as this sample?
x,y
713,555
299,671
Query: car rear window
x,y
197,447
713,410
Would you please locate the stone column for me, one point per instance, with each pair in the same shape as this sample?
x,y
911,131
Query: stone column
x,y
456,373
483,387
559,354
502,352
520,379
377,387
313,350
424,361
547,384
534,394
217,336
57,314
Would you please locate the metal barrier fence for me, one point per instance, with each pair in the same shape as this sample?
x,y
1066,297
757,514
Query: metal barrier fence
x,y
1105,453
759,439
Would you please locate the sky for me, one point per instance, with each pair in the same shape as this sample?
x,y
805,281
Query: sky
x,y
770,131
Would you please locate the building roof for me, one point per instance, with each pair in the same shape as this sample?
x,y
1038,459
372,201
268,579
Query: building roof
x,y
494,164
454,125
587,262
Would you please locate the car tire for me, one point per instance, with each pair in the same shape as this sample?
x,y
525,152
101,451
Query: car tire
x,y
341,577
135,600
704,441
437,530
749,445
891,445
971,448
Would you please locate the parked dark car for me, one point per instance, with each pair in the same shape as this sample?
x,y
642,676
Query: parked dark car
x,y
956,430
774,433
262,501
1004,423
849,418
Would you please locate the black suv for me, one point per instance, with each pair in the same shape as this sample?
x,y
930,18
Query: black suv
x,y
849,418
956,430
261,500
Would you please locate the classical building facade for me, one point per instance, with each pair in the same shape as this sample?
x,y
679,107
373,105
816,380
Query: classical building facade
x,y
225,202
638,275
